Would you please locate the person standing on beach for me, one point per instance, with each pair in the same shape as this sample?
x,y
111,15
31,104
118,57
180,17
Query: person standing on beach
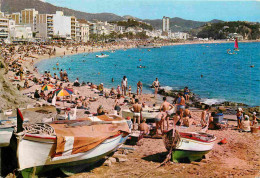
x,y
156,85
61,75
180,104
239,117
166,107
137,108
205,116
139,88
124,85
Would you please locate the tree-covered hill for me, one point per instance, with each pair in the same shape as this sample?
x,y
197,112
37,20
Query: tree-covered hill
x,y
249,31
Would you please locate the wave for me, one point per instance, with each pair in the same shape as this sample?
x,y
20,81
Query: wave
x,y
211,101
167,88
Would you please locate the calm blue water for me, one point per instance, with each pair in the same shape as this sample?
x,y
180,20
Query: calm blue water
x,y
225,77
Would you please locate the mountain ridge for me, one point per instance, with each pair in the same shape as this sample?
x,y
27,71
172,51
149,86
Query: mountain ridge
x,y
176,23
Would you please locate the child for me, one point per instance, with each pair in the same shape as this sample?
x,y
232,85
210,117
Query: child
x,y
129,90
118,89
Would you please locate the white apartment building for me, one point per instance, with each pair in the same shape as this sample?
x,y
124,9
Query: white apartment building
x,y
53,25
21,32
84,30
119,29
44,26
180,35
165,24
4,28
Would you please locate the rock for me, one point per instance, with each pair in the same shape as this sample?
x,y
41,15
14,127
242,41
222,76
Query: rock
x,y
116,155
112,160
107,163
222,108
121,160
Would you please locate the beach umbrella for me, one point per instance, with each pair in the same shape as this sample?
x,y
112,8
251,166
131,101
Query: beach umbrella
x,y
47,87
63,92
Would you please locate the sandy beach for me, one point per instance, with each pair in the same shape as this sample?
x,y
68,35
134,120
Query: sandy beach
x,y
239,157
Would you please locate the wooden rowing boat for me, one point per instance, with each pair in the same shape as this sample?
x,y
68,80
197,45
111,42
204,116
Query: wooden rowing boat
x,y
192,146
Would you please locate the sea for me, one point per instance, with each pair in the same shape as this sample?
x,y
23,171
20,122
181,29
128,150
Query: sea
x,y
207,69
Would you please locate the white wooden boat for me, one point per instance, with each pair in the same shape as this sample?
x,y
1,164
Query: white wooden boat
x,y
37,153
192,146
102,56
147,113
5,135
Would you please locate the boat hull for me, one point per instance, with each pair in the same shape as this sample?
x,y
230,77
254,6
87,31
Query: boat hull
x,y
5,136
35,154
185,155
190,147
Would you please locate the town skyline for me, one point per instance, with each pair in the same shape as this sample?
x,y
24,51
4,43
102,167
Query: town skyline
x,y
198,10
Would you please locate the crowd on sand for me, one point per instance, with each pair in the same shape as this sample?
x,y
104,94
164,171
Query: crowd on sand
x,y
170,114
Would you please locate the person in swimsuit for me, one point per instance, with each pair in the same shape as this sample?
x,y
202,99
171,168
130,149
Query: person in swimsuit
x,y
186,93
156,85
116,105
166,108
254,122
239,117
177,119
124,85
180,104
137,109
205,116
139,88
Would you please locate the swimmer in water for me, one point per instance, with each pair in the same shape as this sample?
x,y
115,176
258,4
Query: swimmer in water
x,y
112,79
57,64
140,59
201,75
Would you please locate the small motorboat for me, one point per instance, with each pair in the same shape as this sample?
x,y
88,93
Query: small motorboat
x,y
191,146
102,56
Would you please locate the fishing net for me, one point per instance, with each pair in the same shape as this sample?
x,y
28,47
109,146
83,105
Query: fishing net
x,y
40,128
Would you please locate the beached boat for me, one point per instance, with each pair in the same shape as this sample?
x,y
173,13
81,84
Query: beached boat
x,y
191,146
102,56
5,135
148,113
70,146
6,131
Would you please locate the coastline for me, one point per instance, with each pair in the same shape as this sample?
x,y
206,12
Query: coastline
x,y
229,159
210,101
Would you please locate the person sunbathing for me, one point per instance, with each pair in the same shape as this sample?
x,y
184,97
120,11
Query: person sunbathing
x,y
112,92
101,111
144,127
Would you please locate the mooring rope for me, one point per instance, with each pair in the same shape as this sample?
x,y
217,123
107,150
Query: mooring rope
x,y
173,141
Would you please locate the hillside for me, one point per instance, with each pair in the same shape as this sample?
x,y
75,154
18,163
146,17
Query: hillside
x,y
18,5
134,24
176,24
10,96
249,31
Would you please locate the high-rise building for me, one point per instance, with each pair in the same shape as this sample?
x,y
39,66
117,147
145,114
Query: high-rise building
x,y
44,25
165,24
16,17
29,18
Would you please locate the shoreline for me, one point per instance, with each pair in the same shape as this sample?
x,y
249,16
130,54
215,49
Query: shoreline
x,y
218,101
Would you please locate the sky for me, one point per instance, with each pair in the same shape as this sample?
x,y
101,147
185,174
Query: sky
x,y
199,10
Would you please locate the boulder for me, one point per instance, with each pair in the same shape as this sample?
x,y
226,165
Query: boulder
x,y
107,163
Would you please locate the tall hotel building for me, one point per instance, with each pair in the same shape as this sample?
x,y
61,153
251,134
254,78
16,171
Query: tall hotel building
x,y
165,24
